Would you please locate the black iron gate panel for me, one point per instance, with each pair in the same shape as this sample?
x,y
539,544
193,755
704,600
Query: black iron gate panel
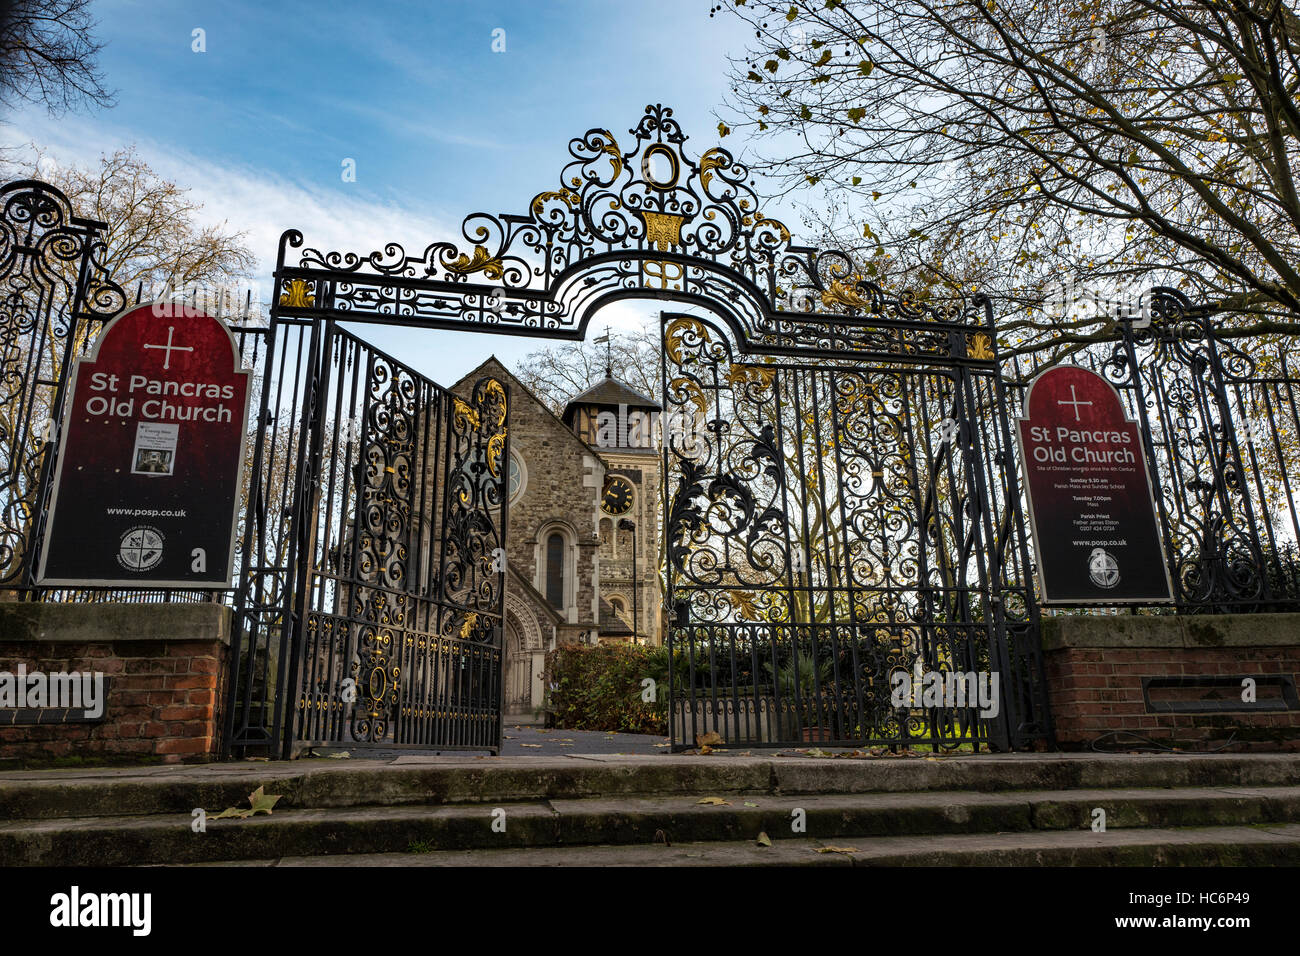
x,y
830,527
372,615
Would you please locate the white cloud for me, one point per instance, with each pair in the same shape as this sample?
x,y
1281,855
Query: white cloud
x,y
256,202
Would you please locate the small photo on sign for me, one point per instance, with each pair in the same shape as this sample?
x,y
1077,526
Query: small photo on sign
x,y
155,449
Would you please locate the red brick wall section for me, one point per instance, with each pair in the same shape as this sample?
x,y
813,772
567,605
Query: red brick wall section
x,y
1094,691
164,700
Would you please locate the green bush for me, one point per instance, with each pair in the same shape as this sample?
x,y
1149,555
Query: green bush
x,y
599,688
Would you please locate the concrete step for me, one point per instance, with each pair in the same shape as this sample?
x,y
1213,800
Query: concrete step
x,y
628,820
1211,846
417,780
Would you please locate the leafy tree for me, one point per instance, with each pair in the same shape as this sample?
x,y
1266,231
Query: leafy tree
x,y
1012,145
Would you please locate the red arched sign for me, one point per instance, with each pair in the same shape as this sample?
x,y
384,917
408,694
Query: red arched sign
x,y
1090,503
150,455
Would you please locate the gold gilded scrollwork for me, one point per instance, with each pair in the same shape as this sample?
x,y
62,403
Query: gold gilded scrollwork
x,y
567,195
980,347
845,293
743,601
743,373
466,417
664,271
677,330
776,224
482,261
711,160
298,294
612,148
662,230
496,450
691,390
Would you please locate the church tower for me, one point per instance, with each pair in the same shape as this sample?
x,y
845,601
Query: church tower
x,y
620,423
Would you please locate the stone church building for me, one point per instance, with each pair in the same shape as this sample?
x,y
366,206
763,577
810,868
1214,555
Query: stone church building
x,y
583,488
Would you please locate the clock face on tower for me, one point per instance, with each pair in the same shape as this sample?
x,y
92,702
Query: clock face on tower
x,y
617,499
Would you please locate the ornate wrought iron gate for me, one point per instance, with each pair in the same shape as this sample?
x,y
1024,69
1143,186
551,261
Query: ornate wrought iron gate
x,y
369,611
833,526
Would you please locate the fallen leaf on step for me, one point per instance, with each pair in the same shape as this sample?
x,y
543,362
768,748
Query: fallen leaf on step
x,y
748,804
714,802
531,745
259,802
663,745
837,849
710,739
340,756
764,840
262,802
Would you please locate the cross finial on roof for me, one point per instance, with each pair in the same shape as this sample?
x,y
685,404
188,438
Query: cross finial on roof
x,y
609,352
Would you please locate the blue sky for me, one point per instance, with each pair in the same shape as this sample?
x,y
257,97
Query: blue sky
x,y
438,124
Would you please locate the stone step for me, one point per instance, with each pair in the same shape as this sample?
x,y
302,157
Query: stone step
x,y
628,820
421,780
1209,846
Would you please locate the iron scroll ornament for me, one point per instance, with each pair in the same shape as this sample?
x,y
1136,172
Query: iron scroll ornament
x,y
651,220
1190,427
54,288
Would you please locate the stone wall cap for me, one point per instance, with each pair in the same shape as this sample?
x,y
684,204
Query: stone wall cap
x,y
1170,630
96,622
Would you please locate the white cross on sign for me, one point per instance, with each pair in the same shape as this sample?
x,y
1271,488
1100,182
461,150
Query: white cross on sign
x,y
1074,400
169,348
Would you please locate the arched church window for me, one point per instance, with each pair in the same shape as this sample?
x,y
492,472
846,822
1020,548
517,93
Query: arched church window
x,y
555,570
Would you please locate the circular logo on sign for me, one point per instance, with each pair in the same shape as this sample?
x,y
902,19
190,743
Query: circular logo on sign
x,y
142,548
1103,569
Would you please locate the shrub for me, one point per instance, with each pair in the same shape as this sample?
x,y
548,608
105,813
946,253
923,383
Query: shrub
x,y
599,688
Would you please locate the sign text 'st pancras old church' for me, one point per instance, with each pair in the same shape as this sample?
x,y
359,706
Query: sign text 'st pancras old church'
x,y
150,455
1090,502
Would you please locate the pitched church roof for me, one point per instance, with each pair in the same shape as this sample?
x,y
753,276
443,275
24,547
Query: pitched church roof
x,y
608,391
515,383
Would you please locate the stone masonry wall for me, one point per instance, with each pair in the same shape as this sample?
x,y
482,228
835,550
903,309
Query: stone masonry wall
x,y
563,481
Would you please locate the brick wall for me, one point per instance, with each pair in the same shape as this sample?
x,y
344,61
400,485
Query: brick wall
x,y
1096,667
165,666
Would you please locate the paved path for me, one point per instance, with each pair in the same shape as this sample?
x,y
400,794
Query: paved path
x,y
522,741
526,741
